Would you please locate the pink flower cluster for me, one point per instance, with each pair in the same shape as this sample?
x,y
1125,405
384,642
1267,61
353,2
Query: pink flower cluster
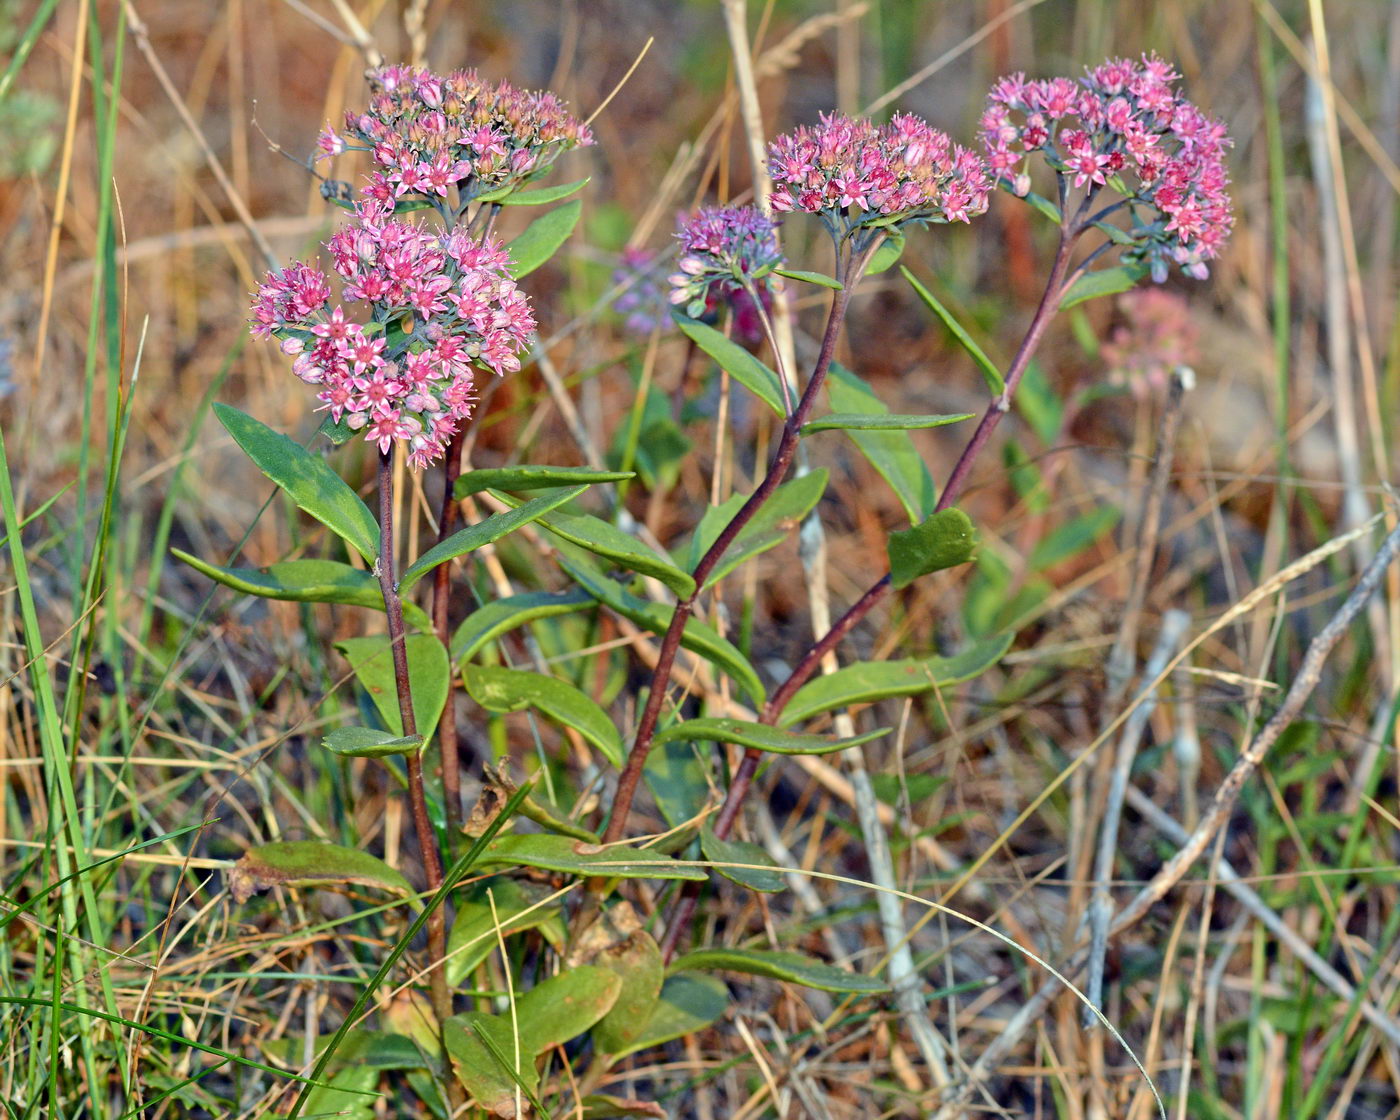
x,y
1124,126
855,174
429,133
1155,335
723,251
644,301
439,305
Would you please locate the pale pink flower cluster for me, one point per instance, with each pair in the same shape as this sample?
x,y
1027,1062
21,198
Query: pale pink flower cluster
x,y
722,250
1155,335
1122,125
644,301
855,174
430,133
440,305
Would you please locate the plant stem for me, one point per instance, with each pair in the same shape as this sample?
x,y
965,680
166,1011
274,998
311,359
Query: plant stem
x,y
777,469
442,579
427,839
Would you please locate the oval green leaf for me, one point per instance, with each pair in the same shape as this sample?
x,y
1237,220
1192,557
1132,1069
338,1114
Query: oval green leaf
x,y
795,968
486,531
296,581
306,478
891,453
366,742
747,370
944,540
564,1006
310,863
542,238
542,195
769,527
500,616
574,857
867,682
990,373
760,736
810,277
735,852
482,1050
428,675
519,905
1102,282
891,422
637,963
511,690
689,1002
531,478
890,250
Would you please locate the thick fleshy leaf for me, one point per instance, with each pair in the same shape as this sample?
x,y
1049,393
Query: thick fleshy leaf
x,y
689,1002
541,195
500,616
1103,282
306,478
747,733
517,907
678,780
890,250
637,964
792,967
738,851
944,540
483,1052
429,674
531,478
891,422
564,1006
512,690
769,527
810,277
575,857
867,682
486,531
892,454
990,373
656,617
747,370
1041,205
367,742
296,581
309,863
608,541
542,238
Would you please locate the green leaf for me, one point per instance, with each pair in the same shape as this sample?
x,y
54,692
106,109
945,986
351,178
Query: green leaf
x,y
1103,282
1115,234
637,963
428,676
378,1050
531,478
484,532
542,238
990,374
1038,403
689,1002
656,617
890,250
306,478
810,277
678,780
892,454
512,690
366,742
944,540
574,857
879,680
499,616
795,968
608,541
482,1049
602,1106
309,863
564,1006
752,374
296,581
737,851
1044,206
890,422
769,527
542,195
349,1095
518,907
760,736
1073,537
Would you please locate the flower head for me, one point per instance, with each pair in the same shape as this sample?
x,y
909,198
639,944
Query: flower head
x,y
1156,334
1123,126
644,300
725,255
856,175
428,132
440,307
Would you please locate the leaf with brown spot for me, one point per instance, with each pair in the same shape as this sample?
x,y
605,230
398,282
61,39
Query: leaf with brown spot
x,y
310,863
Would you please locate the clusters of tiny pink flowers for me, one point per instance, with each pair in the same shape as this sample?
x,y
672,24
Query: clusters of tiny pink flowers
x,y
1155,335
645,297
855,174
724,252
440,306
1124,126
429,133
